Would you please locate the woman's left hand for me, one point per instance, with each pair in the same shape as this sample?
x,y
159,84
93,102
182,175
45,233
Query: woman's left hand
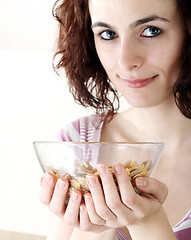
x,y
106,206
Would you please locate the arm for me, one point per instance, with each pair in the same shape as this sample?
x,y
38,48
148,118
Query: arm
x,y
58,229
108,234
155,225
158,225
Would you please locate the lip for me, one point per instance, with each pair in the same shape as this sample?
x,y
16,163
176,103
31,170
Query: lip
x,y
138,83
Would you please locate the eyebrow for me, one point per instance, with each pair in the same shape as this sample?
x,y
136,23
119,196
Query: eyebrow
x,y
133,24
148,19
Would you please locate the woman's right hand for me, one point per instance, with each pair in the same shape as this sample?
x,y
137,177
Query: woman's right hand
x,y
53,194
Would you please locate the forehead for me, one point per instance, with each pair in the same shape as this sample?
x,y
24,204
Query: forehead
x,y
124,10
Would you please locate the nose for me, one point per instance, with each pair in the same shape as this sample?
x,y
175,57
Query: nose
x,y
131,55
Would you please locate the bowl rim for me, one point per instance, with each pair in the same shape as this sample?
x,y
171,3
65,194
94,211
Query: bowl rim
x,y
99,143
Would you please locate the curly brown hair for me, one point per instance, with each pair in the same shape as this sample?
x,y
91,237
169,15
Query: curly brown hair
x,y
87,79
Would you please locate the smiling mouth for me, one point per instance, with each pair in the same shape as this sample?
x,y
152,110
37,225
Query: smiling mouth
x,y
138,83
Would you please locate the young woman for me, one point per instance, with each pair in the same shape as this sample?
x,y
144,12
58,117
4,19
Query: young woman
x,y
142,50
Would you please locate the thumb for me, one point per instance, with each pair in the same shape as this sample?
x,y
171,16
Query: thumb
x,y
153,187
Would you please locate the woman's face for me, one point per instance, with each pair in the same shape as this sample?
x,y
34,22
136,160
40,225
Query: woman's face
x,y
139,43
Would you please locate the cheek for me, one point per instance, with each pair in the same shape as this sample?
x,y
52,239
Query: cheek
x,y
107,58
171,66
107,63
167,62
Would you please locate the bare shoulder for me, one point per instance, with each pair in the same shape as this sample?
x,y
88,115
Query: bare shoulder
x,y
121,128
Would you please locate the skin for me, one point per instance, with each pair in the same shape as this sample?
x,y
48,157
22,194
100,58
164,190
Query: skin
x,y
159,56
96,216
132,54
143,69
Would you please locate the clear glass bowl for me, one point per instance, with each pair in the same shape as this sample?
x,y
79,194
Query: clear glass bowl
x,y
74,160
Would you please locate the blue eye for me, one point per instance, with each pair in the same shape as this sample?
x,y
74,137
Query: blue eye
x,y
151,32
108,35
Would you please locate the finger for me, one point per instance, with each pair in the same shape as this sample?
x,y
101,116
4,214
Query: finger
x,y
108,185
113,200
93,216
57,204
98,198
128,195
85,224
151,197
139,206
152,186
47,188
72,210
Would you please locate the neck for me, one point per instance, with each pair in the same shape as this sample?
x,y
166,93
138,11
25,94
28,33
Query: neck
x,y
162,123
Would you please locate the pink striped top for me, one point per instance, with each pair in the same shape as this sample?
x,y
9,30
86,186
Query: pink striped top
x,y
88,129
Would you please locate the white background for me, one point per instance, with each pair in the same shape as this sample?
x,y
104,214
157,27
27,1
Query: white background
x,y
34,105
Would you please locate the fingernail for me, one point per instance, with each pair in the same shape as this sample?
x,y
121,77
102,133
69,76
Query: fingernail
x,y
118,168
91,180
82,209
47,178
61,184
140,182
88,198
74,196
102,170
